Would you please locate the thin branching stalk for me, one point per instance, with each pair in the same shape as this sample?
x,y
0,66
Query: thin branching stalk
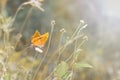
x,y
59,52
23,25
16,13
65,45
33,3
75,38
78,29
26,18
37,70
4,40
19,8
76,41
60,49
58,58
5,47
48,77
74,51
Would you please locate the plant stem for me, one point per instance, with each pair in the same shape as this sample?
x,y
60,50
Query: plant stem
x,y
37,70
22,27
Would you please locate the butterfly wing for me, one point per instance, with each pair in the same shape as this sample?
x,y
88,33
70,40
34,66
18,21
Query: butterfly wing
x,y
39,40
44,38
35,37
37,34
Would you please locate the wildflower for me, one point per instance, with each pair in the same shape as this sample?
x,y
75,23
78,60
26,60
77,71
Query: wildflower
x,y
63,30
35,3
53,22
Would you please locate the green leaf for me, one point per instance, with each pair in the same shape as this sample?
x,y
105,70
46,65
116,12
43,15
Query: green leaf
x,y
82,65
67,75
7,76
61,69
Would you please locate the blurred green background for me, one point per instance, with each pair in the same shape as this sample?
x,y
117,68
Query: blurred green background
x,y
102,49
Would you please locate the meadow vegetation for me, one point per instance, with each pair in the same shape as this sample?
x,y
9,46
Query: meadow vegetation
x,y
21,60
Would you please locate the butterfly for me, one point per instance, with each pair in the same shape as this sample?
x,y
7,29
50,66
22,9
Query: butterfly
x,y
38,39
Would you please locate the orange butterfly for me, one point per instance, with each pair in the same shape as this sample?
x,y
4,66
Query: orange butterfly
x,y
38,39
